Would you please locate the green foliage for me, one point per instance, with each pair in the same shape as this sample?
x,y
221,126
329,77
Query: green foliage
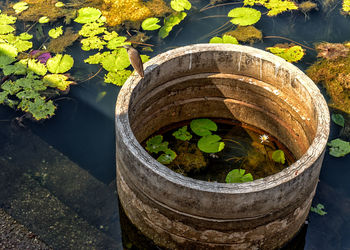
x,y
57,81
117,78
5,19
203,127
167,157
117,60
278,156
93,42
92,29
238,176
182,134
87,15
5,29
224,39
291,54
180,5
338,119
40,108
44,19
155,144
60,63
339,148
170,22
318,209
210,144
35,66
244,16
56,32
59,5
25,36
8,50
20,6
150,23
275,6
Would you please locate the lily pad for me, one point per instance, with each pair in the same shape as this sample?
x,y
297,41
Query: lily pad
x,y
278,156
58,81
5,29
318,209
56,32
117,78
180,5
244,16
167,157
182,134
37,67
291,54
20,6
339,148
224,39
203,127
60,63
210,144
150,24
338,119
59,5
5,19
155,144
238,176
8,50
87,15
25,36
170,22
44,19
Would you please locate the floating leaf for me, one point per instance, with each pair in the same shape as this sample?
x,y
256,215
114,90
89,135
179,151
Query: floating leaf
x,y
144,58
59,5
278,6
93,42
60,63
5,29
150,24
338,119
37,67
155,144
58,81
238,176
56,32
22,45
92,29
25,36
44,19
168,156
96,58
203,127
117,42
11,87
87,15
182,134
210,144
41,109
117,60
291,54
118,78
278,156
339,148
20,6
170,22
318,209
5,19
180,5
224,39
17,69
5,60
8,50
244,16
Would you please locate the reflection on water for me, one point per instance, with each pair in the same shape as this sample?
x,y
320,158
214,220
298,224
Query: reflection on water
x,y
83,126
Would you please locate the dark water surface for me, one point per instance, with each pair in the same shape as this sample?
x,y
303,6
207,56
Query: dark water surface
x,y
83,127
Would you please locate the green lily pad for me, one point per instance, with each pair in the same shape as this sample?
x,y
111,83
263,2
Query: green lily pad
x,y
5,19
318,209
5,29
20,6
180,5
338,119
37,67
170,22
224,39
238,176
87,15
278,156
291,54
59,5
58,81
117,78
41,109
203,127
44,19
56,32
155,144
210,144
60,63
167,157
25,36
117,60
150,24
244,16
339,148
182,134
8,50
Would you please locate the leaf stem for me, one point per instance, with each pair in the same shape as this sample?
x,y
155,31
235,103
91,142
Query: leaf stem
x,y
290,40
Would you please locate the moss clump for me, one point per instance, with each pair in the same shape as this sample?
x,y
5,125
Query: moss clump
x,y
246,34
119,11
59,44
333,71
189,158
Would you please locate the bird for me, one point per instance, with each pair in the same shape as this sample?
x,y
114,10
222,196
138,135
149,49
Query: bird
x,y
135,59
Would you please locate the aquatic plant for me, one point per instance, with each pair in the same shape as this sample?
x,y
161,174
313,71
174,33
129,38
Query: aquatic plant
x,y
20,6
59,44
182,134
307,6
278,156
224,39
338,147
156,144
170,22
150,23
167,157
244,16
246,34
238,176
210,144
338,119
275,7
290,54
332,51
56,32
44,19
318,209
346,6
203,126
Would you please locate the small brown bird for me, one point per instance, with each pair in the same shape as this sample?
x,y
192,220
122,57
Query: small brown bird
x,y
135,59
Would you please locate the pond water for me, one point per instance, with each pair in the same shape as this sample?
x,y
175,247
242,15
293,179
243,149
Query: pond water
x,y
83,126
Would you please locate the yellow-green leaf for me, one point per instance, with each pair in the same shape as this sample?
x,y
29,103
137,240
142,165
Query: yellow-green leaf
x,y
44,19
244,16
292,54
56,32
60,63
58,81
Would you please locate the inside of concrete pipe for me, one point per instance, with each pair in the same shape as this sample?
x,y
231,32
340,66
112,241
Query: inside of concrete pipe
x,y
284,113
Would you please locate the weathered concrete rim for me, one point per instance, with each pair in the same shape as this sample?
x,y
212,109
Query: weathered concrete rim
x,y
312,154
